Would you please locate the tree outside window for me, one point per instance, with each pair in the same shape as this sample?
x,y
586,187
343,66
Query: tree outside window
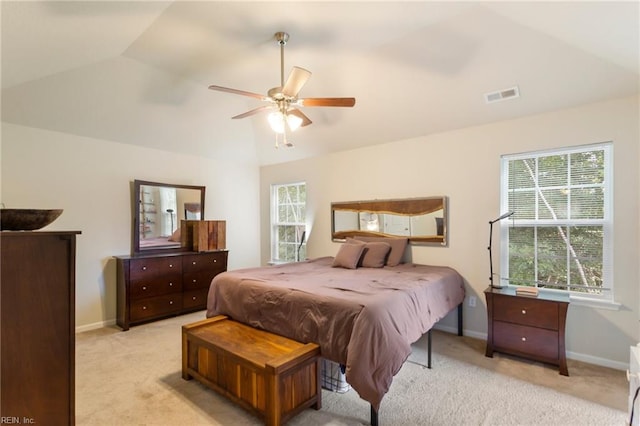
x,y
559,236
288,204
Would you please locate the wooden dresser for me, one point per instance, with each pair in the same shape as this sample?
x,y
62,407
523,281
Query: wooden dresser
x,y
531,327
38,327
152,287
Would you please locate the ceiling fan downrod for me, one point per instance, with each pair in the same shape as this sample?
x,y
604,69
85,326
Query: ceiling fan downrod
x,y
281,38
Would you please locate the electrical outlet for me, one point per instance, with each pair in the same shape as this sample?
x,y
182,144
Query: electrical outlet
x,y
472,301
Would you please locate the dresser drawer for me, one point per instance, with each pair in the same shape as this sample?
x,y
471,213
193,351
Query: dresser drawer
x,y
195,299
155,306
215,262
526,311
520,339
198,280
165,285
148,269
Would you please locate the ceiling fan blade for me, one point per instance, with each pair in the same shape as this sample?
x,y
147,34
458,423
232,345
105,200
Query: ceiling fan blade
x,y
236,91
254,111
327,102
305,120
297,78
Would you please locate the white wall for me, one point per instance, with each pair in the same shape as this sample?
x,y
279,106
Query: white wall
x,y
465,166
92,179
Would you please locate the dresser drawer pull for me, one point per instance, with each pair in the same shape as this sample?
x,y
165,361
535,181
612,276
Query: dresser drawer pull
x,y
215,260
171,265
144,308
171,302
193,263
193,298
524,311
194,280
524,339
170,284
144,268
144,287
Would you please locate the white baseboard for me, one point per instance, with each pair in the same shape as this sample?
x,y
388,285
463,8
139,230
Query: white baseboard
x,y
602,362
95,325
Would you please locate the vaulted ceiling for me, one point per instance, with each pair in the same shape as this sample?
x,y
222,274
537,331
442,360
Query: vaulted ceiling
x,y
138,72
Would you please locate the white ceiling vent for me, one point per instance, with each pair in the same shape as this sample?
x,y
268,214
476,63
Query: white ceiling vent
x,y
502,95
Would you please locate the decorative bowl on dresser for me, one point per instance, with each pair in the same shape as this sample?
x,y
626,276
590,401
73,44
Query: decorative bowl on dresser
x,y
155,286
530,327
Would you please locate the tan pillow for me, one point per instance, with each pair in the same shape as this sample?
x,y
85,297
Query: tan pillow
x,y
348,256
374,255
398,245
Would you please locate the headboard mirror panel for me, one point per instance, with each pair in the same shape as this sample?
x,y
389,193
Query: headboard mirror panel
x,y
422,220
158,210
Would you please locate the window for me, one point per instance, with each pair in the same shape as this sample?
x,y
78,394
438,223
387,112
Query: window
x,y
288,206
560,235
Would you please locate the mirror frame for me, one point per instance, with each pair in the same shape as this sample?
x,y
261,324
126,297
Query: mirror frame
x,y
136,215
402,207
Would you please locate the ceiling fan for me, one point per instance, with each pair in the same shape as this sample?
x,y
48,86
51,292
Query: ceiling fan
x,y
283,101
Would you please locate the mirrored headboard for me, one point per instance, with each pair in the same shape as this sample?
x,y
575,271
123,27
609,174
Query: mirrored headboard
x,y
422,220
158,210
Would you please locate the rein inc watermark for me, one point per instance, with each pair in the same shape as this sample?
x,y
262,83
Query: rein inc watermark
x,y
13,420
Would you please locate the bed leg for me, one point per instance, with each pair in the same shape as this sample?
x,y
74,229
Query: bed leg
x,y
374,417
460,319
429,348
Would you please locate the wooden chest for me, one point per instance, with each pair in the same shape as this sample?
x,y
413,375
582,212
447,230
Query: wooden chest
x,y
529,327
270,375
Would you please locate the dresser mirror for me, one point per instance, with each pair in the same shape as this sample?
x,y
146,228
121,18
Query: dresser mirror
x,y
158,210
421,220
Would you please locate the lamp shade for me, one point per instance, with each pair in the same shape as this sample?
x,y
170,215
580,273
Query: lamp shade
x,y
277,121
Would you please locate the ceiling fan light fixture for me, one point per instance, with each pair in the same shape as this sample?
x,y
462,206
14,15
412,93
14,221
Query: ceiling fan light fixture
x,y
277,121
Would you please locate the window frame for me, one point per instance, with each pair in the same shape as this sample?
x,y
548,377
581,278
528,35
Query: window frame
x,y
607,293
275,224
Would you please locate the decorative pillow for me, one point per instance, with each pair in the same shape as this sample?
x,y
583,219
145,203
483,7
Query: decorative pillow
x,y
348,256
398,245
375,255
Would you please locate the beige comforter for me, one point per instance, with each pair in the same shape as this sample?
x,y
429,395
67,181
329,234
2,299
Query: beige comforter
x,y
365,318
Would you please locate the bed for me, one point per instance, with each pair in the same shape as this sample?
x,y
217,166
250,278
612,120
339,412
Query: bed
x,y
362,317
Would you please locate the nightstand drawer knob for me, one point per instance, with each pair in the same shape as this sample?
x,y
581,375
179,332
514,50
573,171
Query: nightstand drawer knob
x,y
171,302
524,339
215,260
524,311
171,265
194,280
193,298
144,287
144,308
144,268
170,284
193,263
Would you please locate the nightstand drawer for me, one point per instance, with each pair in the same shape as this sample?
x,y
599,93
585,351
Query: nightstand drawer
x,y
525,340
525,311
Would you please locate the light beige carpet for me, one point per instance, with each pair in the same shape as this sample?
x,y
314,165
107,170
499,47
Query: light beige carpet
x,y
134,378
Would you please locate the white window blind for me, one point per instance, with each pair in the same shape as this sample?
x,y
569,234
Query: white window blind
x,y
559,236
288,218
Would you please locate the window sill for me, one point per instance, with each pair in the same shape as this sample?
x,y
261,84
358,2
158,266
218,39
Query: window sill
x,y
595,303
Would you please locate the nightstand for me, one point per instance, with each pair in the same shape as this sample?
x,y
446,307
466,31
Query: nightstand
x,y
530,327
